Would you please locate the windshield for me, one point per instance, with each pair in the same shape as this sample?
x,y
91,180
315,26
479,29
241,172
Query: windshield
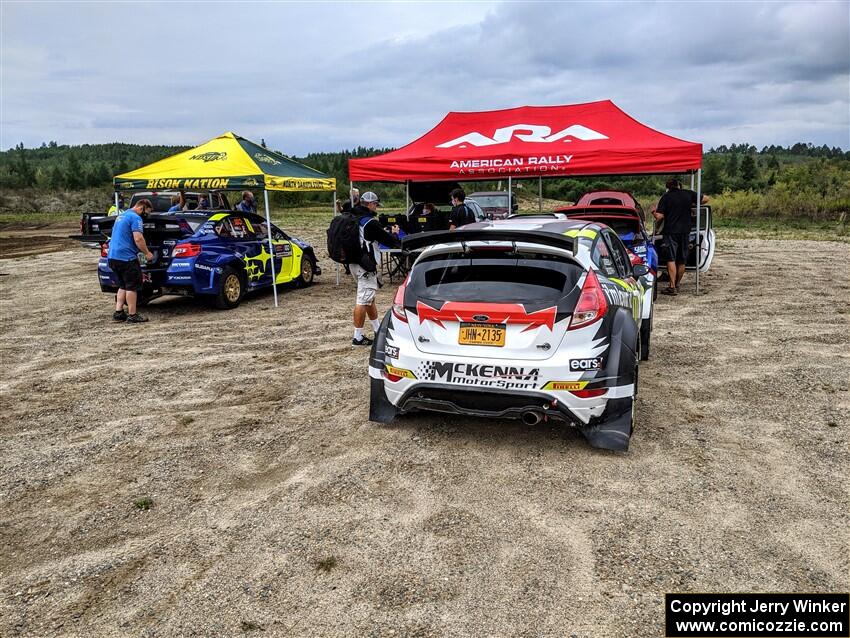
x,y
510,278
492,201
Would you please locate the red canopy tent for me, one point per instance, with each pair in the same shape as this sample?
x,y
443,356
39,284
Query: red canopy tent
x,y
596,138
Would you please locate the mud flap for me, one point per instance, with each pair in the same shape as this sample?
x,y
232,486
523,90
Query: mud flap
x,y
380,408
615,430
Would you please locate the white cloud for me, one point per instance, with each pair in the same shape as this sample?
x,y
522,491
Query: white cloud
x,y
326,76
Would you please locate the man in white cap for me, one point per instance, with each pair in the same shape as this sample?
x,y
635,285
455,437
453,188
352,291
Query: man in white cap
x,y
365,273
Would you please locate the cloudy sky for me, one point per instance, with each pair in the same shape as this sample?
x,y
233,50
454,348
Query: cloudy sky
x,y
327,76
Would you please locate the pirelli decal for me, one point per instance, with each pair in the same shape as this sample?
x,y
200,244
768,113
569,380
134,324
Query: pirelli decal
x,y
568,386
399,372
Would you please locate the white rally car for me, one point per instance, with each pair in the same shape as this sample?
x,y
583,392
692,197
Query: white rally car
x,y
535,318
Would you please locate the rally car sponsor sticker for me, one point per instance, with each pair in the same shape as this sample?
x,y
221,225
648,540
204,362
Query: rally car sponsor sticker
x,y
565,385
391,351
578,365
399,372
485,375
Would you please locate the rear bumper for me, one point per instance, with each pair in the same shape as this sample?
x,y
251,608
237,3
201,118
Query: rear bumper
x,y
483,403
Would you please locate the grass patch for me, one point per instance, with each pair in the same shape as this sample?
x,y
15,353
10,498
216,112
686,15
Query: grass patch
x,y
326,564
144,503
754,228
25,218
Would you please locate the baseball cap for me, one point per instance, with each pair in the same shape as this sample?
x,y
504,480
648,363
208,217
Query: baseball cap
x,y
368,197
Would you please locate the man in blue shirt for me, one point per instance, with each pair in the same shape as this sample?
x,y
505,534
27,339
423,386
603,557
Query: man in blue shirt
x,y
178,202
125,244
247,205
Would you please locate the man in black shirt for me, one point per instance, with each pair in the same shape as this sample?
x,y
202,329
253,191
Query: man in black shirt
x,y
372,235
460,215
674,208
352,201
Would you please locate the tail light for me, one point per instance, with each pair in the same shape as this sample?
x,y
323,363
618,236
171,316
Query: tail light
x,y
186,250
589,394
392,378
398,302
104,249
591,305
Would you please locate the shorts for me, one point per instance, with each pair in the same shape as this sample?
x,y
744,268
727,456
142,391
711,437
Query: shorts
x,y
128,273
367,284
676,247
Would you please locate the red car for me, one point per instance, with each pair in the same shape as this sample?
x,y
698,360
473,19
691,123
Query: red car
x,y
611,198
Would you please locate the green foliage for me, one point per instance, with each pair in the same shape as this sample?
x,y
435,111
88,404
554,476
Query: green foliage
x,y
74,167
748,169
773,182
732,165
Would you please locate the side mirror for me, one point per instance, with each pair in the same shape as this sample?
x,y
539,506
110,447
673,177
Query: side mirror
x,y
639,270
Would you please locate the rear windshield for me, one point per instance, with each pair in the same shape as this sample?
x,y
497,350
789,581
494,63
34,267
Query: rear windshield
x,y
622,226
527,278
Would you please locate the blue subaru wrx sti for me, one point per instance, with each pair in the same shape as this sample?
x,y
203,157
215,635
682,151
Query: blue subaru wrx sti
x,y
218,256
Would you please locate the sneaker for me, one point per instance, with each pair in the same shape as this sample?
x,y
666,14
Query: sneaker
x,y
363,341
119,315
136,318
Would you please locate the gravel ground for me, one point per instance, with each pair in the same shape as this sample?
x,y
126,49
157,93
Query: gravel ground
x,y
213,473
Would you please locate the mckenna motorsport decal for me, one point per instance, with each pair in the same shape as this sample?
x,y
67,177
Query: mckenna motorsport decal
x,y
211,156
577,365
486,375
391,351
526,133
268,159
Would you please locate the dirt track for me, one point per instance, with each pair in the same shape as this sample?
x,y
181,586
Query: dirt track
x,y
277,506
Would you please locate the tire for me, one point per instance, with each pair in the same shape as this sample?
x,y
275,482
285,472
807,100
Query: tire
x,y
655,289
306,272
231,288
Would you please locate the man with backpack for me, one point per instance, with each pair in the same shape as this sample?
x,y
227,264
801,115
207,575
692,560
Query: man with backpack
x,y
354,238
461,215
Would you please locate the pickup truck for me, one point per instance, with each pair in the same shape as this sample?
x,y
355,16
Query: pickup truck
x,y
92,235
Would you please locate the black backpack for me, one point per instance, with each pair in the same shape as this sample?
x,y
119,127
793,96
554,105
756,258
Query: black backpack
x,y
344,239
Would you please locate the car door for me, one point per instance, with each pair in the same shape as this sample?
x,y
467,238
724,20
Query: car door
x,y
243,241
623,264
283,252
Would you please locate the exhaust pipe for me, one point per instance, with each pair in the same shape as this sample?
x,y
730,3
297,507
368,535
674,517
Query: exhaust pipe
x,y
531,417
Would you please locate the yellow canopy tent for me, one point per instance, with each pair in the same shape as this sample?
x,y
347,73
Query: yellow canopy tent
x,y
228,162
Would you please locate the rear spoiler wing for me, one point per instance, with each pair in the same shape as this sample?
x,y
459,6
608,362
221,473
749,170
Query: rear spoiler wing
x,y
423,240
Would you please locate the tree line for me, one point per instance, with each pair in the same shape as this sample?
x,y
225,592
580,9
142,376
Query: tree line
x,y
807,168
